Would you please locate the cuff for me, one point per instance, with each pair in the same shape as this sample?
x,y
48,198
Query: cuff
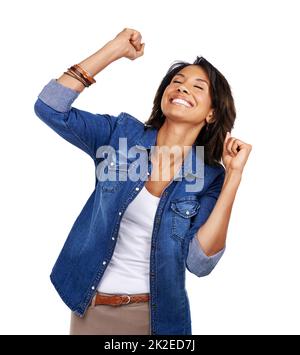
x,y
58,96
198,262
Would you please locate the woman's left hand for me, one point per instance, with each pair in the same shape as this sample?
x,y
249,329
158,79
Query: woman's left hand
x,y
235,153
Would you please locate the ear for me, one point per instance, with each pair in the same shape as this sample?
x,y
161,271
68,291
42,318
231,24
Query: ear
x,y
210,118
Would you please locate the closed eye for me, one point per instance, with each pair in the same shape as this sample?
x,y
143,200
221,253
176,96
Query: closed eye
x,y
199,87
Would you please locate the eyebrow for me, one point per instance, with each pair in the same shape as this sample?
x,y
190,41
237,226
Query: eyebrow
x,y
197,79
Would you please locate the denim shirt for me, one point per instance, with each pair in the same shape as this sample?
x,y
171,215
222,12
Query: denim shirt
x,y
90,244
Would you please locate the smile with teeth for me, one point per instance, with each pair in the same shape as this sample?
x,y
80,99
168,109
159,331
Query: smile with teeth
x,y
181,102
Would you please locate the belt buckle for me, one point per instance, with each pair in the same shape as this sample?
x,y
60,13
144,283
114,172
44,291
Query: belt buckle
x,y
128,301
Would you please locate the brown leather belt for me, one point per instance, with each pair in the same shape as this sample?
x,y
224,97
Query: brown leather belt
x,y
118,300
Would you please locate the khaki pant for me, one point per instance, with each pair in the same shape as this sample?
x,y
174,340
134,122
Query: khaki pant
x,y
127,319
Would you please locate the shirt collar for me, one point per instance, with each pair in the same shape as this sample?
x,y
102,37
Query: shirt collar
x,y
193,164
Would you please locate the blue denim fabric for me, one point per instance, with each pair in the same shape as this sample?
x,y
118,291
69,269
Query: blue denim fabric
x,y
93,236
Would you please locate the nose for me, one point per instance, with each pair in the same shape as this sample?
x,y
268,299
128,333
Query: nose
x,y
183,89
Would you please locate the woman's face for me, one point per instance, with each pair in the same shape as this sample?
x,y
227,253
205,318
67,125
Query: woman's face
x,y
191,85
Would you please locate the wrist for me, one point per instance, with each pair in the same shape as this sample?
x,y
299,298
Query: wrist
x,y
114,50
233,175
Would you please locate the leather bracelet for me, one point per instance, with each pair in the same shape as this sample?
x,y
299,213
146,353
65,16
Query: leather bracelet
x,y
85,73
75,77
77,73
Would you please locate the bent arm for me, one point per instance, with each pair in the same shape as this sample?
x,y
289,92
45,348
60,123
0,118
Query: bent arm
x,y
85,130
207,237
212,234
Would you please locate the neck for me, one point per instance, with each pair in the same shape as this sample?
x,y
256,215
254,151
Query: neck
x,y
181,135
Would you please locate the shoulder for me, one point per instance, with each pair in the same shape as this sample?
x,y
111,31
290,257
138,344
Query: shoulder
x,y
214,175
129,127
126,118
215,170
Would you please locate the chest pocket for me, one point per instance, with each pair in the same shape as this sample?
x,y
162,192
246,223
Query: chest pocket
x,y
182,212
116,176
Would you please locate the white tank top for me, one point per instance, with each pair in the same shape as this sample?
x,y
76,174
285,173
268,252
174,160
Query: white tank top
x,y
128,270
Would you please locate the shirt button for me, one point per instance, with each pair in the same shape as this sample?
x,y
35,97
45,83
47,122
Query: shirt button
x,y
93,287
104,263
137,189
111,163
120,213
113,238
187,212
148,173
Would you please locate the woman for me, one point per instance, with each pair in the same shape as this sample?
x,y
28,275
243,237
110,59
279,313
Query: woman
x,y
154,211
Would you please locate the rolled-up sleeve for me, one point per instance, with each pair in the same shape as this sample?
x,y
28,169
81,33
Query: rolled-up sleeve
x,y
58,96
198,262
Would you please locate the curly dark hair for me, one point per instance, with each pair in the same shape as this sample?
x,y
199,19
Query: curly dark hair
x,y
211,136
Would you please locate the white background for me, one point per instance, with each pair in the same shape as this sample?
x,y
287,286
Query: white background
x,y
45,181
